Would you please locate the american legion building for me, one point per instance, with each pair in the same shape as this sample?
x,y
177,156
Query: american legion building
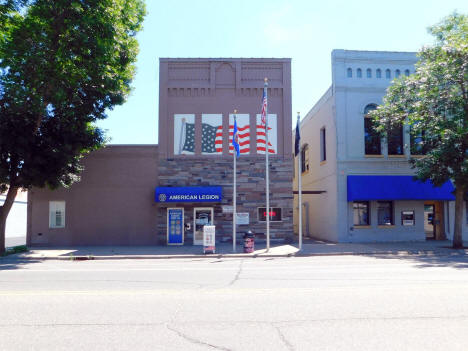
x,y
165,194
361,186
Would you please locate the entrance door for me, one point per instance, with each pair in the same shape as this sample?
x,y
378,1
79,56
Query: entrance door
x,y
201,216
429,216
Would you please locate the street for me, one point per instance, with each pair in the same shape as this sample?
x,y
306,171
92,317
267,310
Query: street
x,y
309,303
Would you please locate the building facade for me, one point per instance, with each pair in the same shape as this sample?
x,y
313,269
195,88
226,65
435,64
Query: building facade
x,y
165,193
365,183
196,117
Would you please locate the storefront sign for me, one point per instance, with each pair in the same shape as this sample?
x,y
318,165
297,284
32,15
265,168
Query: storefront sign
x,y
242,218
228,209
275,214
209,239
407,218
175,226
189,194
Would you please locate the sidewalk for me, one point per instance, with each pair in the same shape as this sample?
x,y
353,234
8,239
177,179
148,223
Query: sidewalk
x,y
310,248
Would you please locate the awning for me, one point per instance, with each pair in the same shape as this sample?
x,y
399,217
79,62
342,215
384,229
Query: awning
x,y
386,187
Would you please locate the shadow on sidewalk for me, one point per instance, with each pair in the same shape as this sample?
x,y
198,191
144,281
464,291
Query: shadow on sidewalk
x,y
15,262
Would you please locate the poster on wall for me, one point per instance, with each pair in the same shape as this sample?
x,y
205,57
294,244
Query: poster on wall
x,y
272,135
212,134
175,226
184,134
243,127
209,239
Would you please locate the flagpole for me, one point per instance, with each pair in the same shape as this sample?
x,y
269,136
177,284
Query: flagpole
x,y
234,193
267,176
299,177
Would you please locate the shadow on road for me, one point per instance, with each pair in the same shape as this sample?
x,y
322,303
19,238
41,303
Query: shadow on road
x,y
12,262
454,260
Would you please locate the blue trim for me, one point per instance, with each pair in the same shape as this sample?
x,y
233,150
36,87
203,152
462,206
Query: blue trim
x,y
189,194
386,187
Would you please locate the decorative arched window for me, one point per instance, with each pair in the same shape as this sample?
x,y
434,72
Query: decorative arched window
x,y
372,145
378,73
397,73
359,73
388,75
407,72
369,73
350,73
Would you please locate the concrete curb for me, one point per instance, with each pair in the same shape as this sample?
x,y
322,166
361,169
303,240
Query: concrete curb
x,y
220,256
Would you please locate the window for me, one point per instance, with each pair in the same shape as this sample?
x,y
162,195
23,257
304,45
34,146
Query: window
x,y
350,73
323,145
378,73
369,73
243,128
371,137
275,214
184,134
359,73
397,73
417,144
272,135
385,213
395,141
57,214
212,134
388,74
466,211
305,158
407,72
361,213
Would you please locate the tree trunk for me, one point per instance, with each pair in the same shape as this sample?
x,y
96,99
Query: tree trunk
x,y
457,234
4,211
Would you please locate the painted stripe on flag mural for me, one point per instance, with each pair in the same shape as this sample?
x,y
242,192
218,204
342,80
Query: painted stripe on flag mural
x,y
261,141
243,139
219,140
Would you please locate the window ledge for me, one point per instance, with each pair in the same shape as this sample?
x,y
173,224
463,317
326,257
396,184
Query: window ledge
x,y
323,162
373,156
386,226
396,156
362,226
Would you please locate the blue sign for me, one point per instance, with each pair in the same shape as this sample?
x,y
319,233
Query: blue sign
x,y
175,226
189,194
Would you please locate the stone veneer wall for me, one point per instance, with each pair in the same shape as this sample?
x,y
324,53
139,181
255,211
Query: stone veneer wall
x,y
250,192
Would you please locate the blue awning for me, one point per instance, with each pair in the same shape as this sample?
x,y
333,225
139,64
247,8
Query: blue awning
x,y
386,187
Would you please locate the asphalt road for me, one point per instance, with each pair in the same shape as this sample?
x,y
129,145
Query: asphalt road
x,y
315,303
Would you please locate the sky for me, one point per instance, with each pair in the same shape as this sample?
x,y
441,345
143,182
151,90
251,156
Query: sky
x,y
305,31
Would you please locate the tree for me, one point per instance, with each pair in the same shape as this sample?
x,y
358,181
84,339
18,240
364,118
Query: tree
x,y
63,65
434,103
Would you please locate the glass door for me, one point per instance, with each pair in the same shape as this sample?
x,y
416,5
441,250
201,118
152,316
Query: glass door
x,y
201,216
429,215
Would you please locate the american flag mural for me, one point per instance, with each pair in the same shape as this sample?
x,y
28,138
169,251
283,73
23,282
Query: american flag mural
x,y
243,128
272,135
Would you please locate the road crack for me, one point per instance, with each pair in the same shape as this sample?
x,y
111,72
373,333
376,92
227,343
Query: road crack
x,y
283,338
196,341
237,276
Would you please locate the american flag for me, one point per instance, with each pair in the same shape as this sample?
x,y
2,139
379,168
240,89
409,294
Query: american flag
x,y
212,139
244,139
264,106
261,136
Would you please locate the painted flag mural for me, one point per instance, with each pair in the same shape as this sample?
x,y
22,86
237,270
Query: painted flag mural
x,y
189,140
272,135
212,134
243,127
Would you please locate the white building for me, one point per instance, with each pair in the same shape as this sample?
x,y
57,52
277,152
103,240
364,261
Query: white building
x,y
368,193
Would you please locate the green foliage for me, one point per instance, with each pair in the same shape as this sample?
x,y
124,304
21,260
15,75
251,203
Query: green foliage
x,y
15,249
63,64
434,102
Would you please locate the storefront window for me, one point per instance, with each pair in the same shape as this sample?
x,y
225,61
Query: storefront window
x,y
212,134
361,213
275,214
385,213
184,134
